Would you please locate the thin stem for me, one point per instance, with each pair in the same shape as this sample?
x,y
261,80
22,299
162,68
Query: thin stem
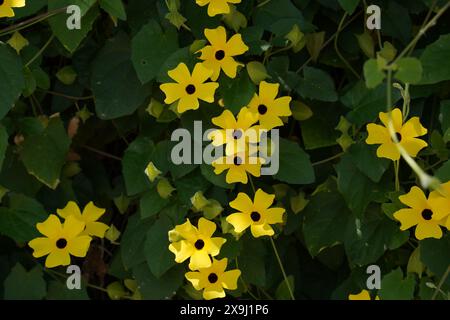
x,y
336,48
397,179
251,183
441,283
67,96
32,21
40,51
288,285
246,288
318,163
326,43
102,153
421,32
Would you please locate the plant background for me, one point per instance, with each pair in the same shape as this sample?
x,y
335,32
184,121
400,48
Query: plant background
x,y
75,125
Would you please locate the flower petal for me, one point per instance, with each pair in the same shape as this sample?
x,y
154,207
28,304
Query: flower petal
x,y
57,258
263,200
415,198
428,229
173,92
217,37
413,146
236,46
196,279
92,213
186,103
206,227
397,119
377,134
274,215
388,150
70,209
259,230
229,66
41,246
214,245
213,292
200,259
240,221
206,91
79,246
268,91
96,229
413,128
72,227
180,74
407,217
182,250
230,278
51,227
200,73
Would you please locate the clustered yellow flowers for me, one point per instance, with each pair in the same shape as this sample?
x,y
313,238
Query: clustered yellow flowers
x,y
73,237
240,137
427,214
7,5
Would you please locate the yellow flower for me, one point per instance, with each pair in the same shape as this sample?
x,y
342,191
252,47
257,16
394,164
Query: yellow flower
x,y
214,279
268,107
219,55
152,172
406,134
7,5
216,7
89,216
257,214
363,295
188,88
60,241
446,192
235,134
426,214
238,165
195,243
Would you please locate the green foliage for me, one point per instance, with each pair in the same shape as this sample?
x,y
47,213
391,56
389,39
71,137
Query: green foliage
x,y
82,115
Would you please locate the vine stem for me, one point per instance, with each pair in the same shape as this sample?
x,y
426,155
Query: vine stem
x,y
397,179
277,255
247,289
40,51
336,48
30,22
441,283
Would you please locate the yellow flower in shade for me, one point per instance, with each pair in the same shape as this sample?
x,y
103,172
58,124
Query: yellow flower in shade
x,y
89,216
238,165
219,55
188,88
255,214
195,243
426,214
268,107
363,295
444,192
7,5
235,134
406,134
60,241
152,172
216,7
214,279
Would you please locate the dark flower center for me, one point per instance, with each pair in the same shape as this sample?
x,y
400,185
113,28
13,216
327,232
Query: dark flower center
x,y
199,244
220,54
2,2
399,136
237,134
190,89
61,243
212,278
237,161
255,216
262,109
427,214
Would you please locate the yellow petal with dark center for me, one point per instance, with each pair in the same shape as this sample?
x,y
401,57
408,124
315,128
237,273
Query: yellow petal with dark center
x,y
388,150
42,246
240,221
377,134
180,74
259,230
415,198
230,278
397,119
407,217
79,246
413,128
235,46
263,200
428,229
51,227
57,258
70,209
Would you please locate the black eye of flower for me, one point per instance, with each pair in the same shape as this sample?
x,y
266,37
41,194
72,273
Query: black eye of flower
x,y
237,161
212,278
190,89
220,54
427,214
262,109
61,243
255,216
199,244
237,134
399,136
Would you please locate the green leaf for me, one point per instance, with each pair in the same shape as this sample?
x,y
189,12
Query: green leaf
x,y
157,253
251,262
33,284
114,7
20,225
71,39
135,160
153,288
318,85
133,241
44,154
150,49
295,166
237,93
349,5
282,292
3,143
364,156
319,131
443,173
325,222
366,103
58,291
396,22
409,70
12,79
372,73
394,287
435,62
116,87
435,254
357,189
151,203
